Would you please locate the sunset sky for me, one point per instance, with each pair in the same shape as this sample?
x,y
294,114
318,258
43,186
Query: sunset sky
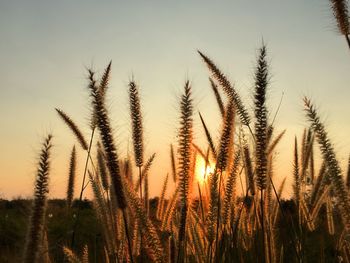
x,y
46,46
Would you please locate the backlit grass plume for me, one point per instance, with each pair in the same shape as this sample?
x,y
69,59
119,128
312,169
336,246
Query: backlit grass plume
x,y
136,123
296,173
102,213
248,167
185,151
214,87
104,80
145,170
329,157
74,128
102,167
228,88
261,81
37,218
341,14
160,207
103,124
230,190
348,175
173,163
226,139
71,178
153,244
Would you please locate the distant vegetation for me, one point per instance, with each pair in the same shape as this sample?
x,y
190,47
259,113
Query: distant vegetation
x,y
14,220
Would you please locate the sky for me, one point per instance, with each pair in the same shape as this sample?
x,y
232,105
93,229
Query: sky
x,y
46,47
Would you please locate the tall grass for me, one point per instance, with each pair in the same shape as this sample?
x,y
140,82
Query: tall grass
x,y
35,234
234,213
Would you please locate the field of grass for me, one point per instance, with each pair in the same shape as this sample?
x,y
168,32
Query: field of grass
x,y
225,206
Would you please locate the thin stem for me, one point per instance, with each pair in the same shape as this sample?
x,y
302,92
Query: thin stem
x,y
200,201
218,216
262,224
82,188
278,109
140,176
127,235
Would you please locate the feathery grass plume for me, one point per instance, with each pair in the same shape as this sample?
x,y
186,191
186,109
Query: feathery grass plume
x,y
319,183
136,238
330,220
315,208
70,256
226,140
268,192
37,218
275,142
213,207
261,82
102,213
209,138
230,190
94,91
104,126
303,146
173,163
121,247
307,149
312,166
228,88
185,152
296,185
71,178
152,242
329,157
136,123
169,211
104,80
348,175
214,87
341,14
127,168
100,89
197,242
74,128
275,208
160,207
249,169
269,133
102,167
305,213
145,170
146,194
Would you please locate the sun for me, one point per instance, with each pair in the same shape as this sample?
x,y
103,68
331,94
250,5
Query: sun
x,y
202,170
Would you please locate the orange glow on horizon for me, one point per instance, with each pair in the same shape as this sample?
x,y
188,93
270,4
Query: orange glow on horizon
x,y
203,170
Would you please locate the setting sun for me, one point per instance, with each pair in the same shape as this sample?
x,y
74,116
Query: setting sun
x,y
202,170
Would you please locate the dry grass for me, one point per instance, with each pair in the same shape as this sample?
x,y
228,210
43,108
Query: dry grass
x,y
208,220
